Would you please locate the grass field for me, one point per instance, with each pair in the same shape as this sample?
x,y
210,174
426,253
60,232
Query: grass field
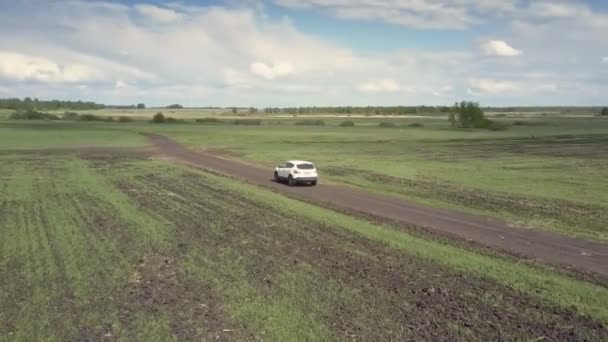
x,y
37,135
548,173
119,245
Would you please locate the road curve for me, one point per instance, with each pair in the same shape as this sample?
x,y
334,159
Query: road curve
x,y
544,246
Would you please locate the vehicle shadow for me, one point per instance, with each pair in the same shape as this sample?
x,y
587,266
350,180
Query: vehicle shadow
x,y
297,185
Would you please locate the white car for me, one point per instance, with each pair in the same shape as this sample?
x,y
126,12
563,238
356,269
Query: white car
x,y
296,172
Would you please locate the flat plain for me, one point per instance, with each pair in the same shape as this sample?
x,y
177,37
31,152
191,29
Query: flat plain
x,y
102,238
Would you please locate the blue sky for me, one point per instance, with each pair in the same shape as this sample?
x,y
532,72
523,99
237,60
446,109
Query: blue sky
x,y
307,52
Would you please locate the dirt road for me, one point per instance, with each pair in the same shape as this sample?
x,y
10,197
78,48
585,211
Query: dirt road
x,y
548,247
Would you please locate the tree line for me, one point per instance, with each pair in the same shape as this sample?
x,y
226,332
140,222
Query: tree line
x,y
366,110
35,104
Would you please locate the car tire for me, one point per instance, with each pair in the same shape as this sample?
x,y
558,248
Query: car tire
x,y
313,183
276,177
291,181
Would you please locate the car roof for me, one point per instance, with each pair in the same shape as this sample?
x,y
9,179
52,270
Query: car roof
x,y
298,162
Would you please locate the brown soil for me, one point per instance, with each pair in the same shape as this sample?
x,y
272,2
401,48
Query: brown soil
x,y
157,287
544,246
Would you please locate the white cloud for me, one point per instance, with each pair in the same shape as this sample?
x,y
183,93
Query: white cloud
x,y
120,84
158,14
278,69
20,67
481,86
379,86
492,86
499,48
555,9
419,14
214,55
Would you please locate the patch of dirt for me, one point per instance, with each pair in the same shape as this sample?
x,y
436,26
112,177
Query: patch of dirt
x,y
223,152
157,287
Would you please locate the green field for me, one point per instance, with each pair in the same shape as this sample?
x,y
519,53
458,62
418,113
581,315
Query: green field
x,y
102,239
126,247
549,173
51,134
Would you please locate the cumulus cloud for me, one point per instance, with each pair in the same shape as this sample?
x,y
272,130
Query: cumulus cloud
x,y
215,55
158,14
272,71
499,48
492,86
481,86
555,9
120,84
20,67
379,86
430,14
419,14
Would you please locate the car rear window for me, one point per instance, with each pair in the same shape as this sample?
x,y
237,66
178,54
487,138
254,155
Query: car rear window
x,y
306,167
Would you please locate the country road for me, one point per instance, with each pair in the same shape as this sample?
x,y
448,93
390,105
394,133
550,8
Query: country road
x,y
544,246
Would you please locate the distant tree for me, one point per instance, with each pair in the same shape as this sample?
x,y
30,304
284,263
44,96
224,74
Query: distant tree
x,y
28,104
467,114
158,118
605,111
141,106
234,110
175,106
253,110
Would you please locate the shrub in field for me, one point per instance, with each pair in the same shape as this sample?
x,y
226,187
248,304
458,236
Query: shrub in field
x,y
158,118
208,120
32,115
529,123
416,124
347,123
125,119
70,116
387,124
497,126
468,114
173,120
605,111
310,123
91,117
247,122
